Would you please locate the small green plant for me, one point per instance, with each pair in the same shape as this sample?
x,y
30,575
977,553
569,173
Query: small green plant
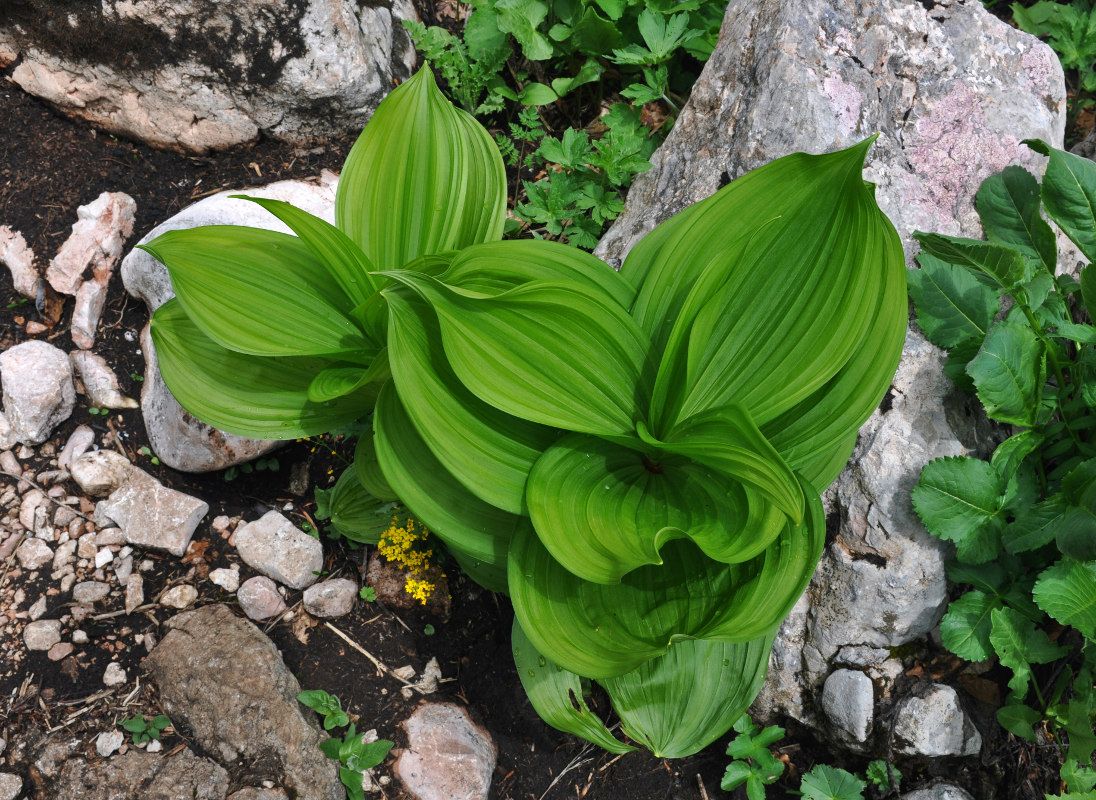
x,y
884,776
368,594
354,754
428,629
146,451
752,762
259,465
145,729
1023,522
99,411
824,782
136,377
18,302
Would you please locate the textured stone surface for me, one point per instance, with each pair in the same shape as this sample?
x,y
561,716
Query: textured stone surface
x,y
33,554
225,682
951,90
10,786
848,700
179,440
331,598
89,592
934,724
276,547
193,75
939,791
179,596
100,472
42,634
182,776
151,515
259,598
19,259
95,244
448,757
38,389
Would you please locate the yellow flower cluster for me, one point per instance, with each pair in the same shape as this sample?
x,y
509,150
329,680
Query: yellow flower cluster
x,y
405,545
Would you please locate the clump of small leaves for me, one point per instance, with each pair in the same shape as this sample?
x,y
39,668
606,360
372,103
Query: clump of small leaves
x,y
753,763
145,729
354,754
269,464
883,775
144,450
1023,522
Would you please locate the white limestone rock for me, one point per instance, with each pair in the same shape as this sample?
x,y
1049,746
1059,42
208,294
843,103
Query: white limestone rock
x,y
331,598
100,382
42,634
151,515
38,389
277,548
95,244
259,598
848,700
448,757
17,257
934,724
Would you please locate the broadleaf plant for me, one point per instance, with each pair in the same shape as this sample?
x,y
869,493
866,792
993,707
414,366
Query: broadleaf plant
x,y
1020,336
635,457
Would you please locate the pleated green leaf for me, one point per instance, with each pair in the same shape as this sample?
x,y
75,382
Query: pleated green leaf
x,y
368,467
1009,206
1003,265
487,450
260,292
605,509
1067,591
477,533
601,631
344,260
1069,195
681,702
551,352
557,695
247,395
423,178
355,513
343,378
795,254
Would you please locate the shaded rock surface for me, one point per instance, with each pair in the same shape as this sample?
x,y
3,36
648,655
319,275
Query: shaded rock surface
x,y
933,724
848,700
182,776
330,598
276,547
448,757
225,683
178,439
19,259
192,75
940,791
951,90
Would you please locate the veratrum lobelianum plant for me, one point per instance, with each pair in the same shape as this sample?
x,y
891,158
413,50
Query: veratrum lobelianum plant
x,y
634,456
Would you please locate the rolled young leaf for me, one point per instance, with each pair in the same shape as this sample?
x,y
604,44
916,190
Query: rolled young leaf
x,y
243,394
424,177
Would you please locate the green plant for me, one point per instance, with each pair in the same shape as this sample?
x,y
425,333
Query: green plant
x,y
145,729
752,761
883,775
354,754
144,450
368,594
824,782
1023,522
599,444
1071,31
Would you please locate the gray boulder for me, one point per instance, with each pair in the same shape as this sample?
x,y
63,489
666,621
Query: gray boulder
x,y
193,75
225,683
182,776
933,724
38,391
952,91
180,440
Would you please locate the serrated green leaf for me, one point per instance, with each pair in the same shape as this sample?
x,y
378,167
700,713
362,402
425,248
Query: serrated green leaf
x,y
959,499
1019,644
1009,205
1067,591
1037,526
952,305
520,18
966,627
1009,373
423,178
1005,266
557,695
1069,195
1079,719
824,782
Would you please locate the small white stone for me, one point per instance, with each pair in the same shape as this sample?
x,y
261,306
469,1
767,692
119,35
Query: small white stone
x,y
114,675
227,579
103,557
38,609
108,742
155,746
79,636
179,596
42,634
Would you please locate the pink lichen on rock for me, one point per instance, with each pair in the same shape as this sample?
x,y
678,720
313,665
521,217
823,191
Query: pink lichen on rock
x,y
845,99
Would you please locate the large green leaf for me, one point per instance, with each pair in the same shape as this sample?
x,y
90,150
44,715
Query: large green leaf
x,y
551,352
476,532
243,394
1009,206
679,703
602,509
487,450
1002,265
601,631
959,499
557,695
424,177
368,468
966,627
952,305
355,513
794,254
1019,644
344,260
1069,195
260,292
1009,372
1067,591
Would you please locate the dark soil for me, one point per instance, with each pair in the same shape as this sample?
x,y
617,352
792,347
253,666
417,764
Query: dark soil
x,y
49,166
